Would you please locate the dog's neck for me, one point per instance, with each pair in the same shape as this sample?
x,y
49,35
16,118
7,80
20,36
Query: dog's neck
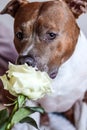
x,y
67,84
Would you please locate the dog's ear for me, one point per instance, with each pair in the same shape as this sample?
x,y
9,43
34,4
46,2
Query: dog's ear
x,y
77,6
12,7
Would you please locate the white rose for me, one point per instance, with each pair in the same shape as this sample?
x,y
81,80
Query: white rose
x,y
22,79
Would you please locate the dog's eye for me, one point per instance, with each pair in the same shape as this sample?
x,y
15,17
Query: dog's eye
x,y
19,35
51,36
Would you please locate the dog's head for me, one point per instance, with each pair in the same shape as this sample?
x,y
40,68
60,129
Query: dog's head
x,y
45,33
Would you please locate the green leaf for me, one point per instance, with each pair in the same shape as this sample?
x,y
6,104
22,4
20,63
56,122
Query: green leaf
x,y
21,100
20,114
3,119
3,116
30,121
3,126
37,109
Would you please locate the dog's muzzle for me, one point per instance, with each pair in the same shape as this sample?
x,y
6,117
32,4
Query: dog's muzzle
x,y
30,60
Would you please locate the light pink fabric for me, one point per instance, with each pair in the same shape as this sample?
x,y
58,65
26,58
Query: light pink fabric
x,y
7,49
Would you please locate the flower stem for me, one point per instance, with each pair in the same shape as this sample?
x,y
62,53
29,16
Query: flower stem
x,y
18,104
9,125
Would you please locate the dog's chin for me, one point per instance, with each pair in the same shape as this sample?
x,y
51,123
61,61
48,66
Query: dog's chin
x,y
53,74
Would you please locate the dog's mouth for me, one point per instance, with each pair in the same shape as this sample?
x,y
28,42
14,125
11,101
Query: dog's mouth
x,y
52,74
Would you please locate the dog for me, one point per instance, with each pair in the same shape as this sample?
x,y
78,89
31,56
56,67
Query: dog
x,y
46,36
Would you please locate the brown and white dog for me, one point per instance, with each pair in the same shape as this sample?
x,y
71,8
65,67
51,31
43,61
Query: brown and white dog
x,y
47,36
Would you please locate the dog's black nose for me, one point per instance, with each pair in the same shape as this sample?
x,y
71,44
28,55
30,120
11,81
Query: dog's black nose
x,y
26,59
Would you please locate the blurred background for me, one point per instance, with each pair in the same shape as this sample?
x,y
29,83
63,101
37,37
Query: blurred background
x,y
8,20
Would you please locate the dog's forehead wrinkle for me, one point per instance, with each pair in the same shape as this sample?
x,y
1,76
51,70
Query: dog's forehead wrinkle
x,y
50,24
